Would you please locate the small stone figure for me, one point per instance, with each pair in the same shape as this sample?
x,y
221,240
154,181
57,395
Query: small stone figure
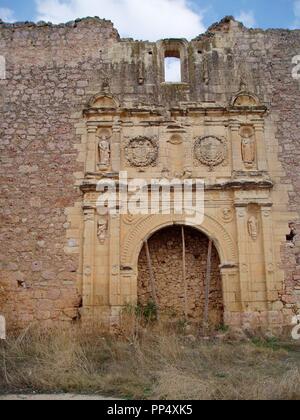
x,y
102,230
104,150
253,227
248,146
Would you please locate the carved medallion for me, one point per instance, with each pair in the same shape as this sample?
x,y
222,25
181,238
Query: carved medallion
x,y
227,215
142,151
210,151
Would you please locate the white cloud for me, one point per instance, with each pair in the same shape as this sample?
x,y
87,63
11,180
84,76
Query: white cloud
x,y
140,19
247,18
297,13
173,70
7,15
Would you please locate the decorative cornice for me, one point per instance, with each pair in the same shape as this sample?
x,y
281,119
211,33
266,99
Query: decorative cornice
x,y
185,110
90,185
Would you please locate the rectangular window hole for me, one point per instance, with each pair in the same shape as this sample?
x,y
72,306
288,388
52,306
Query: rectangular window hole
x,y
173,67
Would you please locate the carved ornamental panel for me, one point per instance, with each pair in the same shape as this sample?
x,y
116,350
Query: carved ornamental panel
x,y
142,151
210,151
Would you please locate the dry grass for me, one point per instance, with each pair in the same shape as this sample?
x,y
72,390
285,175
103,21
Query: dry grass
x,y
149,362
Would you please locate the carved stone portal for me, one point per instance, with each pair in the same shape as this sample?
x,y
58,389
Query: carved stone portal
x,y
210,151
142,151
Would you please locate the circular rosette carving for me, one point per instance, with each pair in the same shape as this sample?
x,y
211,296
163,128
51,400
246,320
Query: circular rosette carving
x,y
210,151
142,151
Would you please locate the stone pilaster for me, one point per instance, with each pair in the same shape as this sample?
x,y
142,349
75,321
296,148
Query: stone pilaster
x,y
91,153
267,233
231,297
89,256
242,233
116,147
114,260
237,164
260,146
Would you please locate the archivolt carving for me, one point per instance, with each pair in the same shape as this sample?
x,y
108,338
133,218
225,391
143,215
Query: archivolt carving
x,y
142,151
150,224
210,150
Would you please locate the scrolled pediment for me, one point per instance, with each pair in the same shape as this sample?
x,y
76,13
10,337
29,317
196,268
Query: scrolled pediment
x,y
101,101
245,99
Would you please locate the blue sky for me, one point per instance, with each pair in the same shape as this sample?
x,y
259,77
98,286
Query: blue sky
x,y
151,19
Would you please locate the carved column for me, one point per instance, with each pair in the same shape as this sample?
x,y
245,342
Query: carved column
x,y
89,257
237,164
267,232
91,153
261,146
241,217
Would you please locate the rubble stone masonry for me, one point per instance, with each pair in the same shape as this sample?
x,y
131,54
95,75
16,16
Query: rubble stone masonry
x,y
233,120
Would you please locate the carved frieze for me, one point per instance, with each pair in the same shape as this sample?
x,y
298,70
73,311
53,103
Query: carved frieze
x,y
210,151
142,151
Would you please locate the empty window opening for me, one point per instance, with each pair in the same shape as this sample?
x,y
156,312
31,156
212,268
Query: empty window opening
x,y
291,237
173,67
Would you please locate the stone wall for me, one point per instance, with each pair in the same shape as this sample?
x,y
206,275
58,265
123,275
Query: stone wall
x,y
52,73
49,70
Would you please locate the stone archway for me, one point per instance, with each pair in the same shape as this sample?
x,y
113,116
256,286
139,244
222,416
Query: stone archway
x,y
165,248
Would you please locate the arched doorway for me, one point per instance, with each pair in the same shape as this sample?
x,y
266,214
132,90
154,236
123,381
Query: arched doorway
x,y
176,296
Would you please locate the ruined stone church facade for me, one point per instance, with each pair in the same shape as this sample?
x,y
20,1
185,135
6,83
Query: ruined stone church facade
x,y
80,104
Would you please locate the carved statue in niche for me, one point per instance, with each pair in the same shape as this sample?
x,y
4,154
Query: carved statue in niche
x,y
102,227
253,228
104,149
248,146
